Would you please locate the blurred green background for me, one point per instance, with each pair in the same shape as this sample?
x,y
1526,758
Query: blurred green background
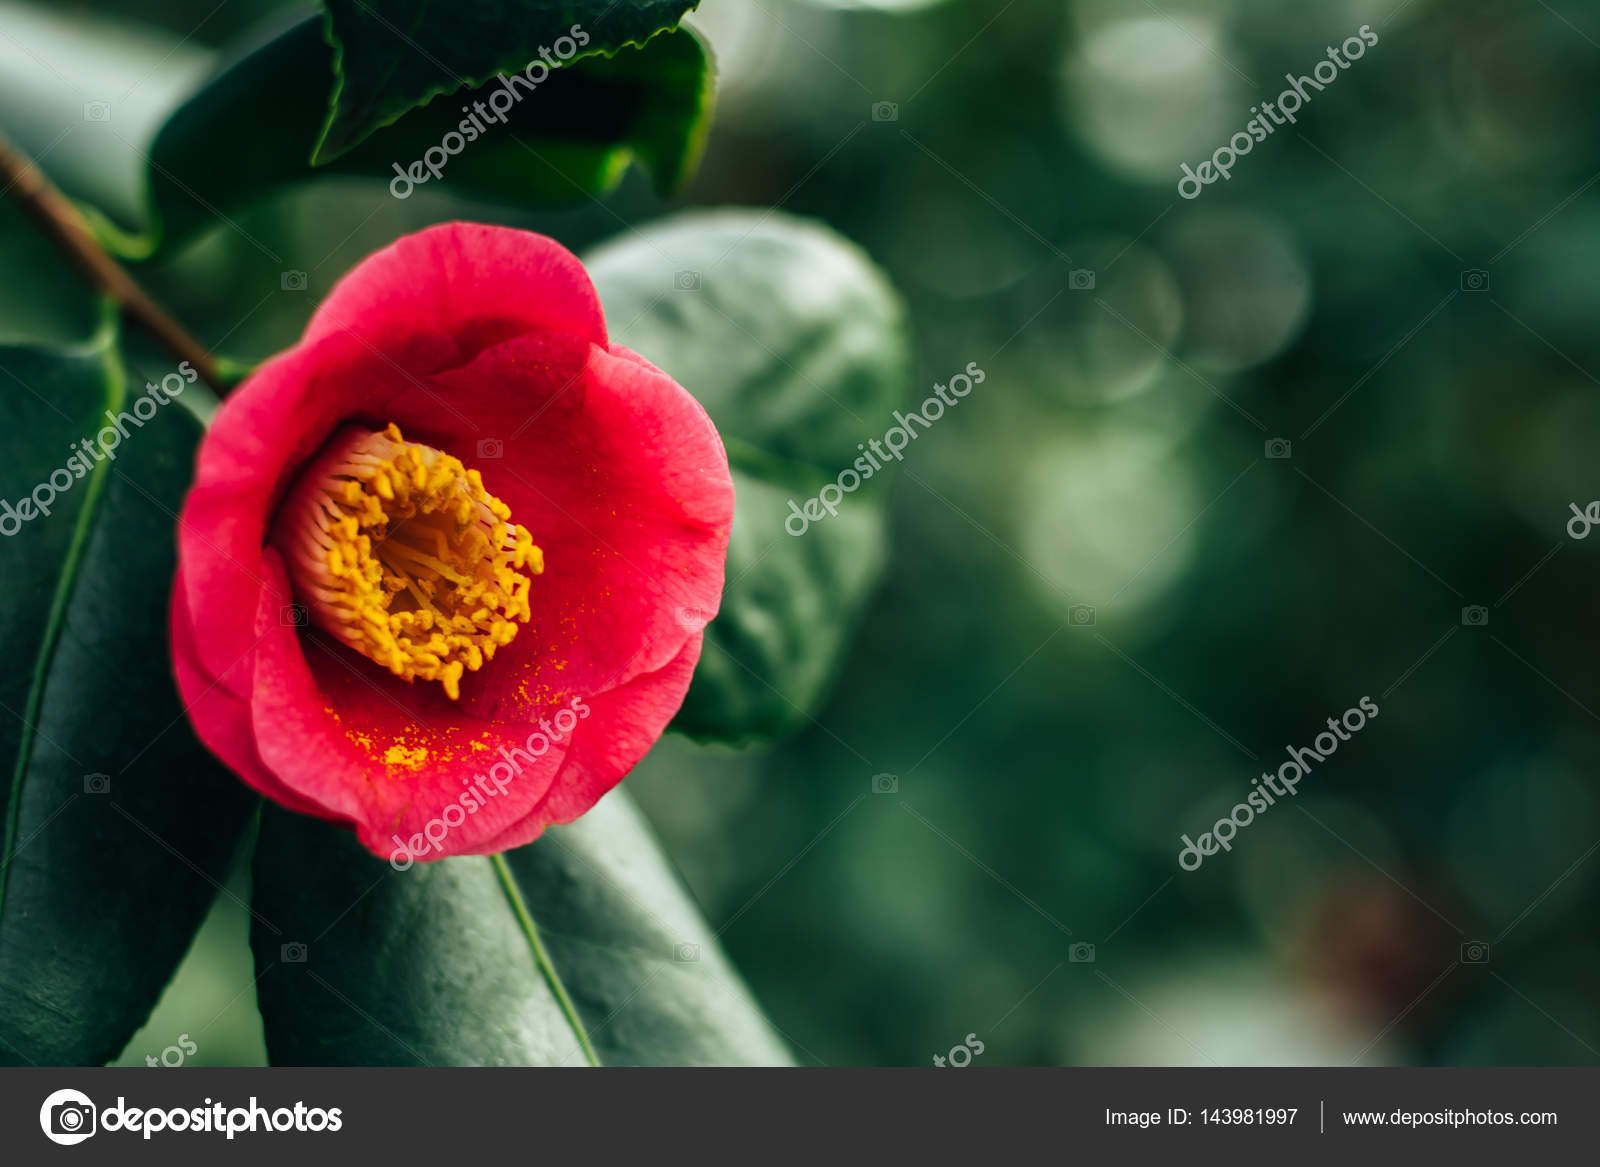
x,y
1107,607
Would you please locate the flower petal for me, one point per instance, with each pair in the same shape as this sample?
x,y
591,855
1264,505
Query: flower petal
x,y
468,282
622,726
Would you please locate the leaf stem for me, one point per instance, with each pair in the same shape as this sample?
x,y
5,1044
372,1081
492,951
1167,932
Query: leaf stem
x,y
520,907
64,224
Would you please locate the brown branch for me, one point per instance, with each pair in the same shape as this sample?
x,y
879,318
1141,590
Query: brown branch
x,y
61,221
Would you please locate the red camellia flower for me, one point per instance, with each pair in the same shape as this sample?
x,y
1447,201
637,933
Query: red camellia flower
x,y
446,563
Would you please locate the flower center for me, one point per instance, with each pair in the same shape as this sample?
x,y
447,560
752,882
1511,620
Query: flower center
x,y
398,550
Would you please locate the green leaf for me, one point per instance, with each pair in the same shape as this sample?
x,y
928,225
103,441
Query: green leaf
x,y
395,55
576,135
580,943
54,304
117,825
572,138
796,345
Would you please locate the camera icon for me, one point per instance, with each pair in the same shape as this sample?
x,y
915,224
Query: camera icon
x,y
1081,953
97,783
886,784
293,953
293,615
686,953
691,617
1475,616
97,111
1081,280
1081,615
885,111
686,281
71,1121
292,281
1475,280
1475,952
1279,448
491,448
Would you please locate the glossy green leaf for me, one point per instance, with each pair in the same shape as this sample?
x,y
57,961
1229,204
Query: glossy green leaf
x,y
572,138
796,346
116,823
579,948
395,55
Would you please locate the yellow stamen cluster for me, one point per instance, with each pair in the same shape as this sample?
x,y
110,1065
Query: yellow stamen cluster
x,y
398,550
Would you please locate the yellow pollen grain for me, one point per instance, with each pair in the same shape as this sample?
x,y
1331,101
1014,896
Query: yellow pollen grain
x,y
411,758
